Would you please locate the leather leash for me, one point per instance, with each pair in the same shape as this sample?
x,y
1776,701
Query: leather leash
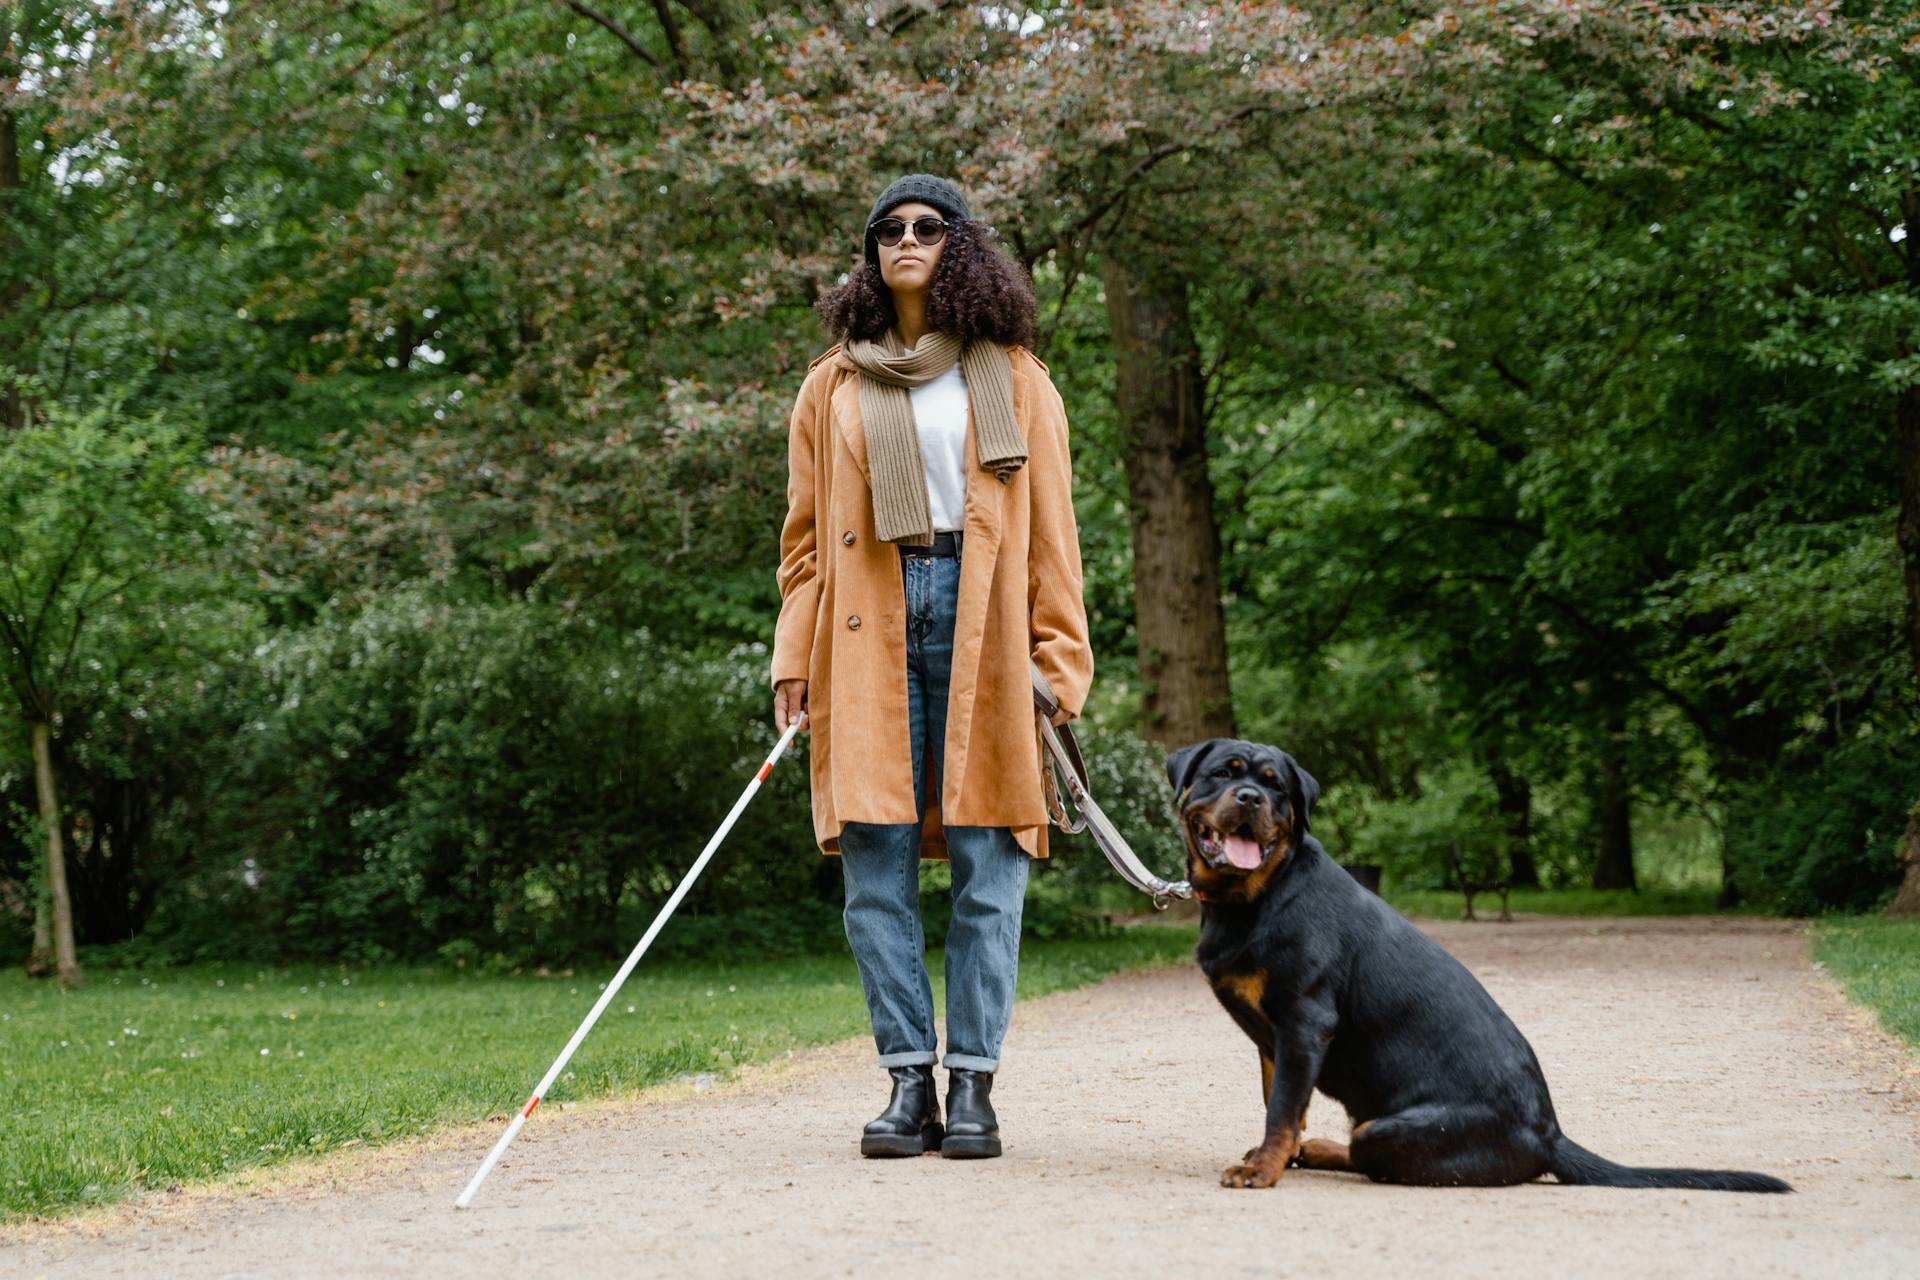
x,y
1060,755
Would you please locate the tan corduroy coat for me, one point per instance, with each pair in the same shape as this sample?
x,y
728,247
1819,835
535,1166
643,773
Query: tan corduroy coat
x,y
842,624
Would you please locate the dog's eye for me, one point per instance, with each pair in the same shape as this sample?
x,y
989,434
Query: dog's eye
x,y
1223,772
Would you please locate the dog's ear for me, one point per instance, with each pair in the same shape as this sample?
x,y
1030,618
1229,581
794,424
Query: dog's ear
x,y
1305,792
1184,762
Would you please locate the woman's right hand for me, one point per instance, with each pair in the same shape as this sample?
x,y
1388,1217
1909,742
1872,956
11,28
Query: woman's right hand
x,y
789,700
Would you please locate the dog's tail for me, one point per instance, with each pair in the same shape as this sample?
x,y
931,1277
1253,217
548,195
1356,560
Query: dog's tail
x,y
1577,1166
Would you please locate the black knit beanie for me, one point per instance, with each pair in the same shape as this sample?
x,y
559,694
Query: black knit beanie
x,y
924,187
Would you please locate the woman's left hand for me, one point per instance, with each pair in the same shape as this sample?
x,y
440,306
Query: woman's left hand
x,y
1059,718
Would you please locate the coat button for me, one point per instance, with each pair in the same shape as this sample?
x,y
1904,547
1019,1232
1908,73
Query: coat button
x,y
853,622
847,537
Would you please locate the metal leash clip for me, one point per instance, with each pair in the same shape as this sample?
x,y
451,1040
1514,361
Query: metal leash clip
x,y
1061,759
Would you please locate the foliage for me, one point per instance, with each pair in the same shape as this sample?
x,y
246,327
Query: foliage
x,y
508,777
107,600
1582,459
96,536
1550,362
1819,833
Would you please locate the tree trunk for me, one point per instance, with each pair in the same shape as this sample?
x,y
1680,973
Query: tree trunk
x,y
1746,746
1516,819
40,958
1907,901
1179,624
1613,868
1907,532
66,965
1731,895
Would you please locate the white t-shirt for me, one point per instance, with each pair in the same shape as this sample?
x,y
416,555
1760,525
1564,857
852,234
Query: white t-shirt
x,y
940,414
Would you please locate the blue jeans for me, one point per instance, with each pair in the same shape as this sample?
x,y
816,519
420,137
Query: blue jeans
x,y
881,863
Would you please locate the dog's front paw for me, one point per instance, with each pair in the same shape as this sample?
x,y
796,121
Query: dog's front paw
x,y
1249,1175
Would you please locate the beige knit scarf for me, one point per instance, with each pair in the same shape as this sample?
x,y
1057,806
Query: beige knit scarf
x,y
899,473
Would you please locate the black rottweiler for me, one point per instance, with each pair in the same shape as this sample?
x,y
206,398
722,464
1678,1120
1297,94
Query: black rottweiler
x,y
1339,992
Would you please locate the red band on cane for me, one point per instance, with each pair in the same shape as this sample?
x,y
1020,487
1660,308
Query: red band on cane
x,y
533,1100
764,770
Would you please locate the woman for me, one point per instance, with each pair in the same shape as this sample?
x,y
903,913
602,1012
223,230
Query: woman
x,y
929,551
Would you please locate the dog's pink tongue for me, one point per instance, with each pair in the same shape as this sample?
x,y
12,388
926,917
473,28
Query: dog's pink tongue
x,y
1243,853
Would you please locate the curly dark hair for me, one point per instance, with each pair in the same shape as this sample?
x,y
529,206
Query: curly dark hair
x,y
977,291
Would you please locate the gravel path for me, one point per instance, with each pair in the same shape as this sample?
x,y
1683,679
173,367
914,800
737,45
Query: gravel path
x,y
1687,1041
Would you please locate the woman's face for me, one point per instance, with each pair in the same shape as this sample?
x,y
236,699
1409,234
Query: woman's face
x,y
907,267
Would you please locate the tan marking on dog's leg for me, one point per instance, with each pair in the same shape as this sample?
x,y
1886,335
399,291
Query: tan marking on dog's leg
x,y
1323,1153
1300,1127
1266,1092
1266,1163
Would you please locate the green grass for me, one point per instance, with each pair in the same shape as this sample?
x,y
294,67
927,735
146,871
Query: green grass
x,y
1446,904
144,1078
1877,960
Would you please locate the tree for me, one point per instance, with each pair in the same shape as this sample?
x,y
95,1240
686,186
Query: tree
x,y
97,525
1494,354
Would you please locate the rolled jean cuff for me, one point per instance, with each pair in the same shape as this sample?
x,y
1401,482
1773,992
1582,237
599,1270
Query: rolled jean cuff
x,y
916,1058
969,1062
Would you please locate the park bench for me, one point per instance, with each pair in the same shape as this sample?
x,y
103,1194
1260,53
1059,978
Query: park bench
x,y
1468,888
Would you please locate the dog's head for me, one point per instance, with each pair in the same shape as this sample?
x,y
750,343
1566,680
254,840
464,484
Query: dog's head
x,y
1243,811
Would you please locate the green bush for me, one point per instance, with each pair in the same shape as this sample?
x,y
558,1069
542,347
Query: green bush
x,y
1819,835
1408,837
425,774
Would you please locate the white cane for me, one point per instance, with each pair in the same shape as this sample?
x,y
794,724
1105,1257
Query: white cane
x,y
606,997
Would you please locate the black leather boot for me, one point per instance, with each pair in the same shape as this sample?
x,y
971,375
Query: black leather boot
x,y
973,1131
910,1125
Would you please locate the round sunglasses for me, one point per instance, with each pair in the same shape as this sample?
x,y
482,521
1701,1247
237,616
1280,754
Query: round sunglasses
x,y
927,230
